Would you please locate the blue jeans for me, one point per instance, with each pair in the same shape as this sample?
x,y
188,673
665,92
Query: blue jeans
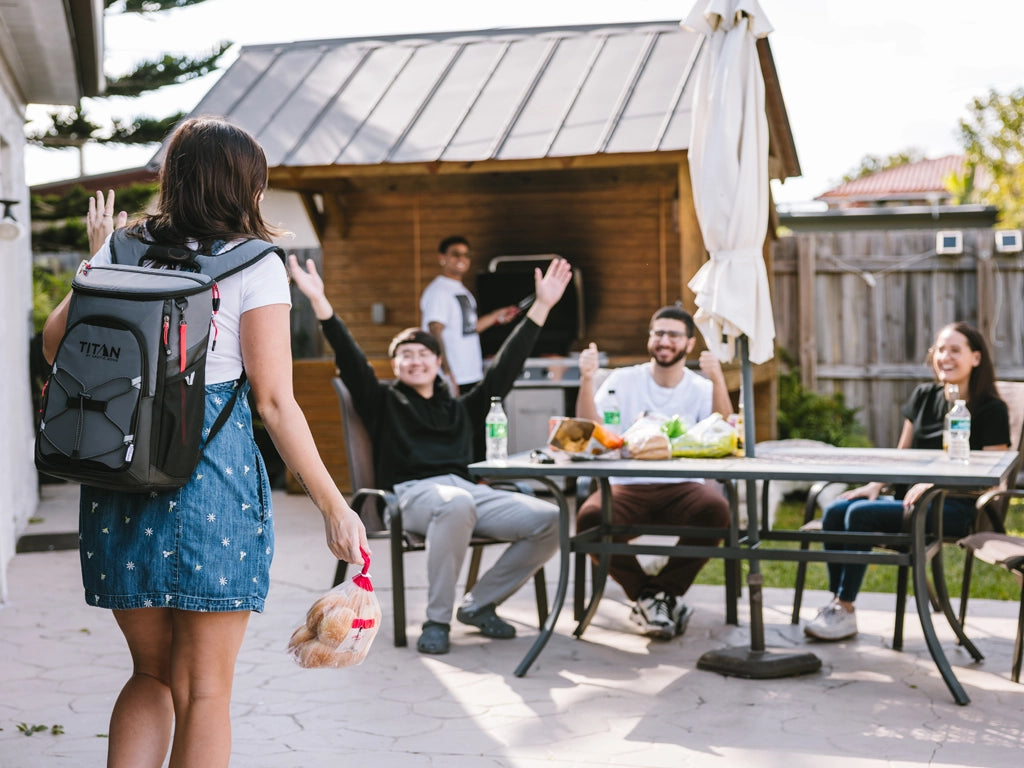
x,y
883,515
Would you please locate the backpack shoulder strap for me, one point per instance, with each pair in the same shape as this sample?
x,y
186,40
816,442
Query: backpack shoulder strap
x,y
125,249
238,258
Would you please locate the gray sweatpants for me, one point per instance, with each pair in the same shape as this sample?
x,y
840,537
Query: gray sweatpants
x,y
448,510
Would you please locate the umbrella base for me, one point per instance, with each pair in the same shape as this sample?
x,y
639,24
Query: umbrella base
x,y
740,661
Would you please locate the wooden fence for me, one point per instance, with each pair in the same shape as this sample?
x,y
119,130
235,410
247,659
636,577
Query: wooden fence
x,y
858,311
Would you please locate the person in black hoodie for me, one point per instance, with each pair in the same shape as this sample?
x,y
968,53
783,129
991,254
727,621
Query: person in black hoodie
x,y
423,445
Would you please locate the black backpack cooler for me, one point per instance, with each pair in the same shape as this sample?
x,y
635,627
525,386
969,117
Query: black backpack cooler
x,y
123,405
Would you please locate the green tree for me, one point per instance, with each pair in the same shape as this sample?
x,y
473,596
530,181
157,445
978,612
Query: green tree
x,y
49,288
992,136
76,128
65,215
870,164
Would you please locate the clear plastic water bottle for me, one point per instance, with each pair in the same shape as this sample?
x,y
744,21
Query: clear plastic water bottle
x,y
952,395
496,431
960,433
611,415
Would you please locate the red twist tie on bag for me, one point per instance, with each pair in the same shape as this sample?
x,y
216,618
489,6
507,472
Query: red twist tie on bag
x,y
362,579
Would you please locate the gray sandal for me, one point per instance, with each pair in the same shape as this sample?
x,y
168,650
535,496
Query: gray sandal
x,y
434,638
487,621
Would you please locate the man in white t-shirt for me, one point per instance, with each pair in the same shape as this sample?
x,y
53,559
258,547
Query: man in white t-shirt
x,y
663,386
449,315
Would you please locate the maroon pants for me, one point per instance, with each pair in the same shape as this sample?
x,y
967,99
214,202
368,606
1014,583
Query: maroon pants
x,y
692,504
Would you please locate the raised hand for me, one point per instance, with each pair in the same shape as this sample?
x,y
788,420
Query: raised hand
x,y
308,281
100,220
588,362
551,285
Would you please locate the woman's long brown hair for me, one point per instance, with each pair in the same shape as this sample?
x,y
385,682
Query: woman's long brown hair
x,y
211,180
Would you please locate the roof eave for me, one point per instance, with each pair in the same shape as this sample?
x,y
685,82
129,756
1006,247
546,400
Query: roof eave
x,y
87,34
782,146
282,176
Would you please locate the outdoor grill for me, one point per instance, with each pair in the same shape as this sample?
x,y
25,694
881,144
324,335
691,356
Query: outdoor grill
x,y
508,281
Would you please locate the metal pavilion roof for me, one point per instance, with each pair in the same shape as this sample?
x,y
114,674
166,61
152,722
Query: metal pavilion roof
x,y
501,94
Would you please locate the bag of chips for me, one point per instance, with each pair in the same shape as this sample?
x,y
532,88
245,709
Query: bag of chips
x,y
340,625
583,437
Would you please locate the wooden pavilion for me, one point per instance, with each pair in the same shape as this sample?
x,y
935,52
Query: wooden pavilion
x,y
569,140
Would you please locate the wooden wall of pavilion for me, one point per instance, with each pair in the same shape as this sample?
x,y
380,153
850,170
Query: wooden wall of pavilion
x,y
624,228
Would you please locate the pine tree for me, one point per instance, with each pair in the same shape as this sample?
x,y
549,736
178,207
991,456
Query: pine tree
x,y
76,128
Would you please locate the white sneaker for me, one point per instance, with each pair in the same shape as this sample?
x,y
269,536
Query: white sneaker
x,y
658,616
833,622
682,614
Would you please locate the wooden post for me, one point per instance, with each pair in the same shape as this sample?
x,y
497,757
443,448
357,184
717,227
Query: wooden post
x,y
417,261
805,271
662,250
692,253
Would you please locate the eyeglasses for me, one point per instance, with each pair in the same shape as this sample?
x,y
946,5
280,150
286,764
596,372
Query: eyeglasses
x,y
658,333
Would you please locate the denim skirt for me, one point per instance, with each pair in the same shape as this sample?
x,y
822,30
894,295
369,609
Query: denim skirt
x,y
204,547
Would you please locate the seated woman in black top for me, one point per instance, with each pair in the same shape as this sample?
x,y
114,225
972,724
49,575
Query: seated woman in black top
x,y
959,356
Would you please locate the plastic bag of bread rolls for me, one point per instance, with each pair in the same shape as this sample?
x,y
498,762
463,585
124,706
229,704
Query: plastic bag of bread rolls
x,y
646,440
340,625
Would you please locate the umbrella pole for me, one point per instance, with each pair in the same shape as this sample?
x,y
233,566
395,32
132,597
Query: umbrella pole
x,y
754,661
755,581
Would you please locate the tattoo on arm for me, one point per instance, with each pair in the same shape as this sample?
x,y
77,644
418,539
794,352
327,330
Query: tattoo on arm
x,y
305,490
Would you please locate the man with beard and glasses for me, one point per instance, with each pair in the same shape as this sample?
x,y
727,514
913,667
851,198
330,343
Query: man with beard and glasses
x,y
663,386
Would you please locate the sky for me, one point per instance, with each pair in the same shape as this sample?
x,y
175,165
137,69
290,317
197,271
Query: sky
x,y
858,77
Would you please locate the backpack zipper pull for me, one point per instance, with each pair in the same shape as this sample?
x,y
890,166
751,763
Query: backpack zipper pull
x,y
182,343
213,316
167,334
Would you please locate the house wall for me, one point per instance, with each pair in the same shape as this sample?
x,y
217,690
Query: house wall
x,y
18,482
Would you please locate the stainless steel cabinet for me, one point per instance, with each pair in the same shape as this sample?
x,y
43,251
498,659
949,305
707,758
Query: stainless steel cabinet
x,y
528,410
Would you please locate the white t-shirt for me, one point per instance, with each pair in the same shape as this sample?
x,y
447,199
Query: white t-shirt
x,y
259,285
447,301
637,393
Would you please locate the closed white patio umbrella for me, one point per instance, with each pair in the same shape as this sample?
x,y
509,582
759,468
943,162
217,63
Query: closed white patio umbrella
x,y
728,158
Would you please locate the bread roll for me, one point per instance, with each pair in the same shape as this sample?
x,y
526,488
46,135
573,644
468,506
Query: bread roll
x,y
652,446
301,635
335,625
316,654
327,602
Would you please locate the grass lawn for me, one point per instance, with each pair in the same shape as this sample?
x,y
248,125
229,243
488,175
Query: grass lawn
x,y
987,581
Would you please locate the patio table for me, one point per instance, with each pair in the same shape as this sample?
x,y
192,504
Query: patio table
x,y
849,465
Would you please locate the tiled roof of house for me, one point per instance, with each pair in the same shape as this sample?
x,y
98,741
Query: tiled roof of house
x,y
917,181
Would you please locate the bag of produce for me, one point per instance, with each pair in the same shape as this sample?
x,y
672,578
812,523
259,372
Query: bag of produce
x,y
708,439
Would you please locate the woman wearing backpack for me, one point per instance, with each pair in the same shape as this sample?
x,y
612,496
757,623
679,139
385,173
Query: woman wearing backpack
x,y
182,570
